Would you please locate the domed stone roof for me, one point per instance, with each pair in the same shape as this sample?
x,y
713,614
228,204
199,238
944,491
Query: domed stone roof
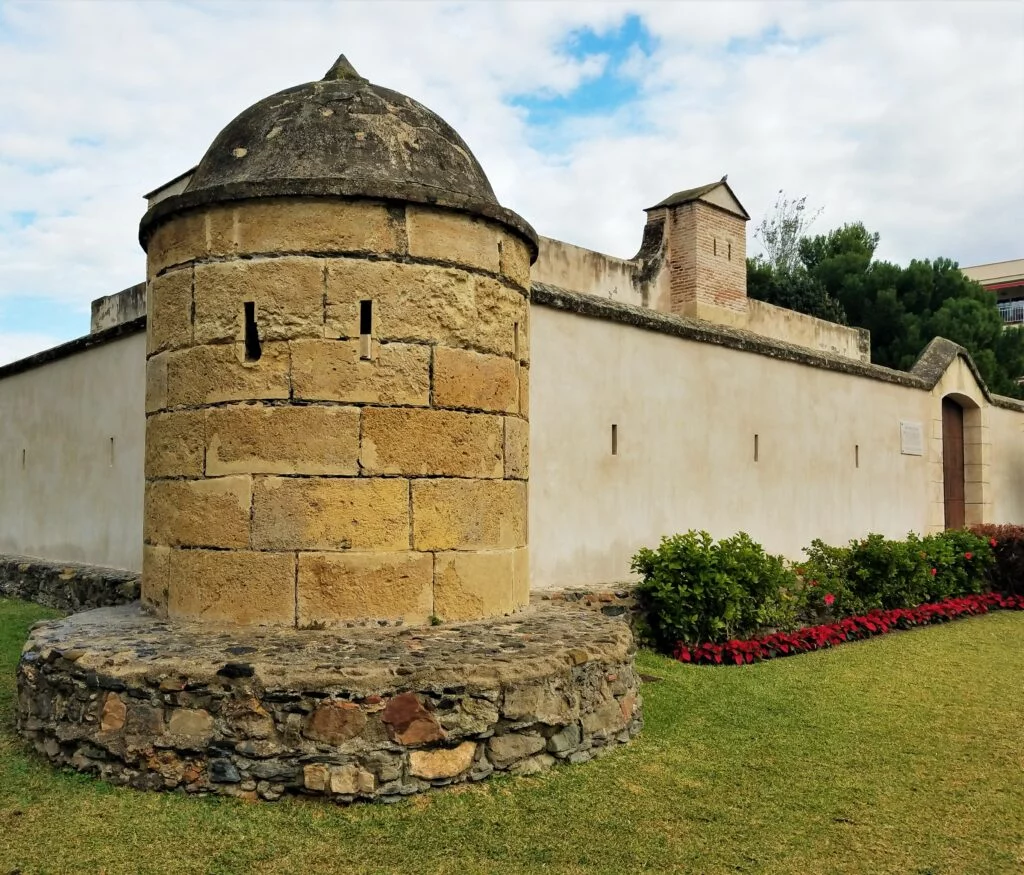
x,y
341,136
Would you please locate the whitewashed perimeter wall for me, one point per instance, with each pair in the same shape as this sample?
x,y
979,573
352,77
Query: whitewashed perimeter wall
x,y
66,493
687,414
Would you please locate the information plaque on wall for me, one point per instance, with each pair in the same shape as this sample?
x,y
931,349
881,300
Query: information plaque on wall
x,y
911,438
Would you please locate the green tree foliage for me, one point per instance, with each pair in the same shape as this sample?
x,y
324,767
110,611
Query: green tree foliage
x,y
778,276
835,276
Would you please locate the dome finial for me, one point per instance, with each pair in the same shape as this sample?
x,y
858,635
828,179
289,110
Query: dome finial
x,y
342,69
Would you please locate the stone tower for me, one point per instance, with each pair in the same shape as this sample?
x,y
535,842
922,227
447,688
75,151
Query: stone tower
x,y
337,372
706,236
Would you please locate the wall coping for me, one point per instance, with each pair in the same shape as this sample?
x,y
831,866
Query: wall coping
x,y
925,374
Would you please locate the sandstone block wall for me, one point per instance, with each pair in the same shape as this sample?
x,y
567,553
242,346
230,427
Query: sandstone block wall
x,y
337,414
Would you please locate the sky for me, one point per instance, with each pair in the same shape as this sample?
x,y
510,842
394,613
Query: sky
x,y
908,116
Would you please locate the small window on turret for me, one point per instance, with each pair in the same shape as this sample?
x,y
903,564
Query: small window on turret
x,y
366,329
253,349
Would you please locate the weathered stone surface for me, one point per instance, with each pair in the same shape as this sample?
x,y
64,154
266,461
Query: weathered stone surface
x,y
463,378
232,586
515,261
604,718
156,565
503,750
335,587
546,703
261,439
409,722
169,311
316,777
156,382
66,586
335,723
567,739
431,442
350,780
288,294
442,763
198,513
521,576
114,713
471,585
471,717
331,513
441,235
175,444
179,240
211,374
423,303
532,765
249,710
524,392
468,514
190,721
332,370
517,448
279,225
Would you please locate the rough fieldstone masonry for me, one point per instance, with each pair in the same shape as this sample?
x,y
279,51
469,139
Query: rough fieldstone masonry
x,y
368,714
335,582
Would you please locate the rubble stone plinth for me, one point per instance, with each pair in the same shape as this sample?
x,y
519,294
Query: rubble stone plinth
x,y
346,714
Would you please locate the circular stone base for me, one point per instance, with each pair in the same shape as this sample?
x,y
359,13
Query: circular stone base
x,y
346,714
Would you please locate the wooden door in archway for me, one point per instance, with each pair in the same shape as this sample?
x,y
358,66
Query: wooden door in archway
x,y
953,463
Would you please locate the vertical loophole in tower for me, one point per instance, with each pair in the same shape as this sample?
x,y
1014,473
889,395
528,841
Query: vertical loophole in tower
x,y
366,329
615,439
253,350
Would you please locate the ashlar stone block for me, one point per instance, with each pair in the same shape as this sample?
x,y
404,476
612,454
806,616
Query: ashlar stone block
x,y
332,370
212,374
288,294
278,225
232,586
169,311
175,444
198,513
155,577
331,513
181,239
452,236
257,439
515,261
334,587
424,303
463,378
517,448
429,442
156,382
468,514
470,585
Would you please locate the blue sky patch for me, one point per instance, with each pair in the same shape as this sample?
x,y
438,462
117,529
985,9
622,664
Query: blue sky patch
x,y
770,37
24,218
600,95
24,314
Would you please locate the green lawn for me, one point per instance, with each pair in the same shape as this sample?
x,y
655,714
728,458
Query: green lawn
x,y
901,754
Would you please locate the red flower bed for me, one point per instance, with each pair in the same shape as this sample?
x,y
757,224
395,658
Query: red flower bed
x,y
851,629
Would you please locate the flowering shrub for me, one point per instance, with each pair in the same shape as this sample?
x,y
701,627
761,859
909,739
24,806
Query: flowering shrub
x,y
876,573
876,622
1007,545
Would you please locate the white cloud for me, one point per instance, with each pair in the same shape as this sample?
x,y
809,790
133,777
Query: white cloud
x,y
909,116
